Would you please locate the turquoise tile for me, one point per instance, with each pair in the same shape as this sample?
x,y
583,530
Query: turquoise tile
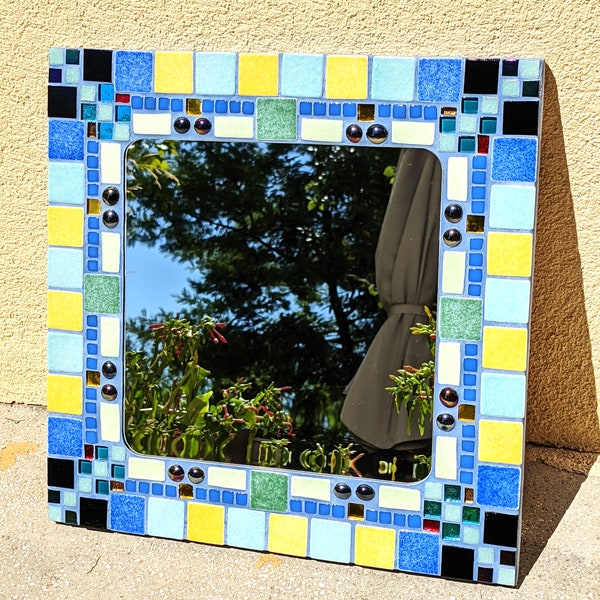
x,y
485,556
433,491
101,294
460,319
65,268
166,518
215,73
468,123
529,68
246,529
503,395
66,182
84,485
489,105
56,57
447,143
302,75
393,79
65,352
512,207
506,576
330,540
507,300
470,535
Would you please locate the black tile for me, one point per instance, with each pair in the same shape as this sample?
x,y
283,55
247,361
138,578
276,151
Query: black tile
x,y
510,68
508,558
481,76
97,65
457,563
70,517
531,89
55,76
500,529
53,496
61,473
520,118
93,512
62,102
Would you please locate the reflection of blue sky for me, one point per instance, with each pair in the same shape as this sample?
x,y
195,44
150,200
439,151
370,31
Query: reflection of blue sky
x,y
152,280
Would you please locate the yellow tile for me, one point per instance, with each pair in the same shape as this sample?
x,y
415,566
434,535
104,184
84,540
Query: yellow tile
x,y
504,348
65,226
346,77
258,75
206,523
509,254
65,310
65,394
288,535
375,547
501,442
174,72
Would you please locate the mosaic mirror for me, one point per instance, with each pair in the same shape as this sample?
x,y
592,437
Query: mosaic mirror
x,y
289,302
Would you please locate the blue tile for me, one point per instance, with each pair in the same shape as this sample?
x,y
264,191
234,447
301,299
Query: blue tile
x,y
430,113
414,521
514,159
399,111
166,518
150,103
170,491
123,114
92,190
91,408
310,507
133,71
468,431
91,334
371,515
470,364
330,540
469,380
475,260
296,505
393,78
93,223
65,352
65,436
208,106
200,494
439,79
241,499
470,349
66,183
65,268
474,290
324,510
478,192
248,108
475,275
221,107
338,511
105,131
92,162
319,109
476,244
235,107
335,110
305,108
91,437
470,395
144,487
177,105
92,348
106,93
91,423
478,177
163,104
467,462
418,552
215,73
385,518
127,513
480,162
130,486
137,102
214,495
228,497
92,147
246,529
468,446
498,486
416,111
66,140
466,477
399,520
93,251
157,489
91,321
302,75
349,110
385,110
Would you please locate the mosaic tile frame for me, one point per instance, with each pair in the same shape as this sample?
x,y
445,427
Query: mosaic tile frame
x,y
482,118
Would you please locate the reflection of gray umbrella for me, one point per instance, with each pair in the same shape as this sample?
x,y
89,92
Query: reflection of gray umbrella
x,y
406,265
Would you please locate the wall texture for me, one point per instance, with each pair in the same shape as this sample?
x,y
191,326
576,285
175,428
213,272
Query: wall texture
x,y
565,339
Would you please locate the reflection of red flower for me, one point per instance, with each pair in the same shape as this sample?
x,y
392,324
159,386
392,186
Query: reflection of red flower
x,y
156,326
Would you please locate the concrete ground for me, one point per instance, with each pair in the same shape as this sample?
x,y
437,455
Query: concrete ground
x,y
39,559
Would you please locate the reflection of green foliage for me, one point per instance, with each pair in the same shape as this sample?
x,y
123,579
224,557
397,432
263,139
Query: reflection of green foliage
x,y
170,410
281,240
413,387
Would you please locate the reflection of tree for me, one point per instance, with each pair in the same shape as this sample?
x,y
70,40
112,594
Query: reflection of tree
x,y
282,240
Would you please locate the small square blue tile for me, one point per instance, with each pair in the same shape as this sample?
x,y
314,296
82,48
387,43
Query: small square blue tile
x,y
144,487
177,105
335,110
170,491
349,110
163,104
324,510
399,520
467,462
91,437
157,489
228,497
235,107
466,477
310,507
385,110
248,108
137,102
338,511
150,103
208,106
371,515
214,495
200,494
468,446
305,108
241,499
296,505
130,486
221,107
416,111
319,109
468,431
478,192
414,521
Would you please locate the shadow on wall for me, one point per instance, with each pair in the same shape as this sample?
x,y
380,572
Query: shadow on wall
x,y
562,404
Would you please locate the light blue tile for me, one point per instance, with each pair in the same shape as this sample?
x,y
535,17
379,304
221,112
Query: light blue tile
x,y
65,268
510,88
55,513
529,68
73,74
65,352
468,123
100,468
470,535
485,556
117,453
506,576
514,159
246,529
66,183
330,540
393,78
433,491
55,57
166,518
452,513
489,105
512,207
439,79
507,300
215,73
302,75
69,498
84,484
503,395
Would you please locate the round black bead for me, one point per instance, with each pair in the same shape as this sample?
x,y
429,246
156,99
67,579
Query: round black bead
x,y
453,213
365,492
109,369
377,134
181,125
202,126
111,195
109,391
449,397
445,422
196,474
452,237
342,490
110,218
176,472
354,133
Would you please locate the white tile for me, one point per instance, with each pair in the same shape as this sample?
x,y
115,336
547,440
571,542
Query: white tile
x,y
311,487
227,478
111,252
399,498
457,178
445,459
448,363
453,272
110,422
111,158
152,124
234,127
110,336
321,130
415,133
152,469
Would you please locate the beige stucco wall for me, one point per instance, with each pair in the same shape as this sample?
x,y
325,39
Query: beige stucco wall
x,y
565,342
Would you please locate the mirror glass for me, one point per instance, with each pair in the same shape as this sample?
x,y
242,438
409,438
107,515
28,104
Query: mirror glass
x,y
280,305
